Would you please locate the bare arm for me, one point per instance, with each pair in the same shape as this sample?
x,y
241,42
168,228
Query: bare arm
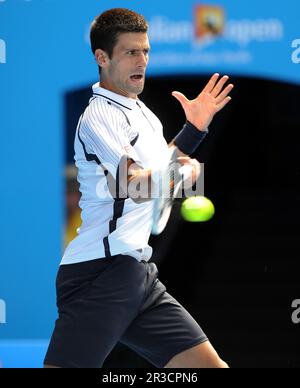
x,y
139,183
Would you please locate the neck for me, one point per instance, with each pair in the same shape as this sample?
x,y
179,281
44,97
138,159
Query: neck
x,y
106,84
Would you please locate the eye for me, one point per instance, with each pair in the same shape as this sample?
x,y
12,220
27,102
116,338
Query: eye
x,y
136,52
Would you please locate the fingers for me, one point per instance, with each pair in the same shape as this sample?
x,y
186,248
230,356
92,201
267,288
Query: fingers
x,y
224,94
211,83
218,87
223,103
190,170
181,98
184,160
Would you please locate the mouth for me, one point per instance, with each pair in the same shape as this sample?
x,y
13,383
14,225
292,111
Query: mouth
x,y
137,77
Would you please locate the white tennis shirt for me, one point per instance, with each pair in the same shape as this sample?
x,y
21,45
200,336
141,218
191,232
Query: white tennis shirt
x,y
111,128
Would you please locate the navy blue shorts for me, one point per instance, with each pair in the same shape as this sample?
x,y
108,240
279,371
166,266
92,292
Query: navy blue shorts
x,y
118,299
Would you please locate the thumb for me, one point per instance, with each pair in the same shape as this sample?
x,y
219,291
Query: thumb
x,y
181,98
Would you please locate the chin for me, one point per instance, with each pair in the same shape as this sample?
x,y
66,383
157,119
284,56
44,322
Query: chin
x,y
139,90
135,90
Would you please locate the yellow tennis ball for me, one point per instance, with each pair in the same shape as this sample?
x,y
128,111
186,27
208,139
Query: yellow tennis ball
x,y
197,209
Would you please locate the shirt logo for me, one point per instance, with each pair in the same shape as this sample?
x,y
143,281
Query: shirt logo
x,y
128,148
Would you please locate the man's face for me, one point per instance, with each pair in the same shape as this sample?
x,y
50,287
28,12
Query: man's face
x,y
124,73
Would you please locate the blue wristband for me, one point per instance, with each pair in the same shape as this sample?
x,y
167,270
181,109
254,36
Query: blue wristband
x,y
189,138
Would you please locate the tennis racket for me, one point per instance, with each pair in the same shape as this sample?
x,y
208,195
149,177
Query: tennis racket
x,y
169,183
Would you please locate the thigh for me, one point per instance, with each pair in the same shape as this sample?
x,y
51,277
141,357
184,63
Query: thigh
x,y
96,303
163,327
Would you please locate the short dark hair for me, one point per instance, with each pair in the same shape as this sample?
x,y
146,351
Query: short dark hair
x,y
107,27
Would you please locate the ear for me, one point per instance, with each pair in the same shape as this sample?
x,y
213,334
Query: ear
x,y
101,58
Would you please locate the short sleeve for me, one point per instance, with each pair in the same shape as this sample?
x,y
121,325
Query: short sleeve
x,y
108,134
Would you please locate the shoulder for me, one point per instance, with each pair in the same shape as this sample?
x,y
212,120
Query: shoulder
x,y
106,119
102,112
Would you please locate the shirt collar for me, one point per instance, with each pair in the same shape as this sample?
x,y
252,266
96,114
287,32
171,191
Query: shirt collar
x,y
126,102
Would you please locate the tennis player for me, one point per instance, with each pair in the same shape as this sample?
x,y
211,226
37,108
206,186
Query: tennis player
x,y
107,290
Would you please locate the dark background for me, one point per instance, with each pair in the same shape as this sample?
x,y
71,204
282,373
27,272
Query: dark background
x,y
238,273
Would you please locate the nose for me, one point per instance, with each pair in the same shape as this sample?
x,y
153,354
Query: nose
x,y
142,60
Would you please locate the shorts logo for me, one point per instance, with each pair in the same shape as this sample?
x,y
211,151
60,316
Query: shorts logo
x,y
209,21
128,148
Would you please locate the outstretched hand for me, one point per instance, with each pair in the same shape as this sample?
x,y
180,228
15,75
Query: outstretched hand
x,y
211,100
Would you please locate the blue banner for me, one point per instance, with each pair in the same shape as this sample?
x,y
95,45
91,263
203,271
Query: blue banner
x,y
246,39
